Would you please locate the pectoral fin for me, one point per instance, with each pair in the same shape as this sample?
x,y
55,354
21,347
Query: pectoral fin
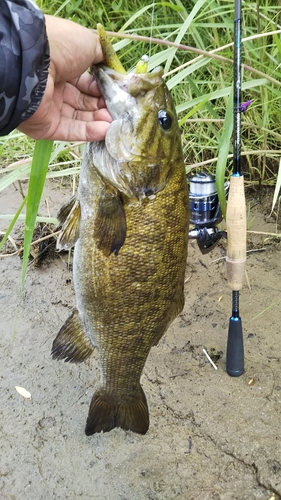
x,y
69,217
110,223
65,210
71,343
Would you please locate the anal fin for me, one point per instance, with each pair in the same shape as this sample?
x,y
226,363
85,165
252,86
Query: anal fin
x,y
69,217
71,343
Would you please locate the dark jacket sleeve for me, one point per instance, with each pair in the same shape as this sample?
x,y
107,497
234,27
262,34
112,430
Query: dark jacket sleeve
x,y
24,62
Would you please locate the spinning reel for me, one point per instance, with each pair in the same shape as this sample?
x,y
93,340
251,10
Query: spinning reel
x,y
205,211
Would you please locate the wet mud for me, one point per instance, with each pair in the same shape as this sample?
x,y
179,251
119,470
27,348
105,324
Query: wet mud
x,y
211,437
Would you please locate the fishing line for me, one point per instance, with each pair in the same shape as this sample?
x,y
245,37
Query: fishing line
x,y
151,28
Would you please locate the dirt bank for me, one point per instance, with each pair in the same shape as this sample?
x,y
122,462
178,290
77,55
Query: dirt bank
x,y
211,437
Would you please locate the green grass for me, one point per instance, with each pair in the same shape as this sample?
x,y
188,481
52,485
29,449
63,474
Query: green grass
x,y
201,85
200,80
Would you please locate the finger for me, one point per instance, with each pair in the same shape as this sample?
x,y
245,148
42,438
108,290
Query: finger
x,y
78,100
86,84
73,51
76,130
102,114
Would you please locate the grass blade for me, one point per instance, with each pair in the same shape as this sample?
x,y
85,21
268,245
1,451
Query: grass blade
x,y
45,218
39,167
12,223
223,92
185,26
17,173
193,111
223,152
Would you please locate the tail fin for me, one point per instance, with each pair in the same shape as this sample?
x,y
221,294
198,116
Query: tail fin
x,y
107,411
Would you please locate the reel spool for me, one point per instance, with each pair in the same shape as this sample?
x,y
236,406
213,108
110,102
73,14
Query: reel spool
x,y
205,211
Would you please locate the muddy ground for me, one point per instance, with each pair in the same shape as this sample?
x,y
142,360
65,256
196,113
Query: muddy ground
x,y
211,437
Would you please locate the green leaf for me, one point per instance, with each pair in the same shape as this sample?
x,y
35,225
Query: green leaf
x,y
44,218
39,167
12,223
187,71
198,5
193,111
277,42
141,11
18,172
158,58
135,16
219,93
223,148
176,8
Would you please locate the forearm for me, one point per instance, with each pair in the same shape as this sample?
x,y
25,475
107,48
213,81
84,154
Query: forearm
x,y
24,62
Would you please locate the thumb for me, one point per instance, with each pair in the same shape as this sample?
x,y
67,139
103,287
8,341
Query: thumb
x,y
73,48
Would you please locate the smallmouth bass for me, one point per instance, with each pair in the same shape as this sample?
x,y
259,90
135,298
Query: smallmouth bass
x,y
129,224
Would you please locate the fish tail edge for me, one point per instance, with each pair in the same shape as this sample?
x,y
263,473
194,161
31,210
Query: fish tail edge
x,y
107,412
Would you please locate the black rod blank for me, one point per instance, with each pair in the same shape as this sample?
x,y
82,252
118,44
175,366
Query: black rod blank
x,y
236,257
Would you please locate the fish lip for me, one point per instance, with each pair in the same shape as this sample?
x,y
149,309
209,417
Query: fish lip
x,y
96,68
113,87
103,73
128,87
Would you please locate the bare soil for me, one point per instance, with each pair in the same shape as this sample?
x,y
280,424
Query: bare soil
x,y
211,437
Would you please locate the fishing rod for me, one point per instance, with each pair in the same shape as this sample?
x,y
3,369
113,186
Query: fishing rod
x,y
236,217
205,214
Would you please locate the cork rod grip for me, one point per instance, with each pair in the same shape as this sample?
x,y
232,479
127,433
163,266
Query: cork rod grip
x,y
236,233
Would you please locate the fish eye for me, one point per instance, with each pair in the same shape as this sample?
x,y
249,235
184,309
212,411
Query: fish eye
x,y
164,119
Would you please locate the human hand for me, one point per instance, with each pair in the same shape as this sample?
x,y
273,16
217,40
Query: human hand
x,y
72,108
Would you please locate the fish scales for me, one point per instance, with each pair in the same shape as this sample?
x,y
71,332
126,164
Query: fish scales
x,y
129,259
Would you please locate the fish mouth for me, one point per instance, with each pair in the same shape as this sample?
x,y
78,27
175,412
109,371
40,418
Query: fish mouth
x,y
120,91
114,89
